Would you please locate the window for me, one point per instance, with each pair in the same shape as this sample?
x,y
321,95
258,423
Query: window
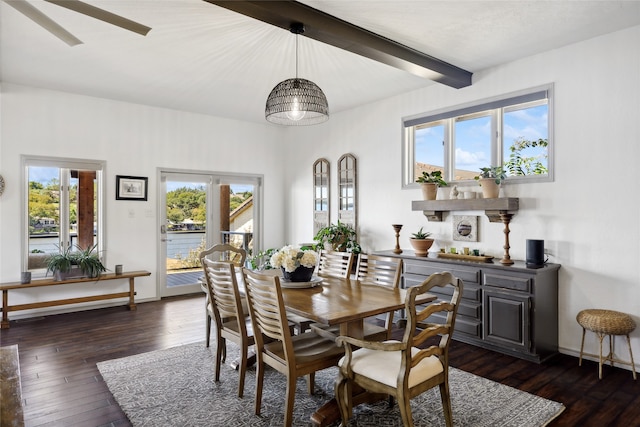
x,y
513,130
63,208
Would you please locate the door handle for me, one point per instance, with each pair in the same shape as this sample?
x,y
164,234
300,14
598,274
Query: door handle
x,y
165,240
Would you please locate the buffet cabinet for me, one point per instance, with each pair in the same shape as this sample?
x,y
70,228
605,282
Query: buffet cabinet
x,y
510,309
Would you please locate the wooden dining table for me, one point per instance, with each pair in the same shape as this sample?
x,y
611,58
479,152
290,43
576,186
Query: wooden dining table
x,y
344,302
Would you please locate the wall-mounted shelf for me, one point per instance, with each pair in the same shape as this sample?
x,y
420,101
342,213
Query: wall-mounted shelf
x,y
497,210
492,208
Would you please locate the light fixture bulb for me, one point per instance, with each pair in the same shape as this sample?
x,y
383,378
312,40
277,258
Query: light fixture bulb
x,y
295,113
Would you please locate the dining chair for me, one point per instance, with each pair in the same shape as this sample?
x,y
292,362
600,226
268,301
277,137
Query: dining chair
x,y
373,270
232,322
335,264
292,355
220,252
403,369
380,271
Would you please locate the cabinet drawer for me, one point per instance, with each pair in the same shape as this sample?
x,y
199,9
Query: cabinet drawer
x,y
517,283
467,275
471,293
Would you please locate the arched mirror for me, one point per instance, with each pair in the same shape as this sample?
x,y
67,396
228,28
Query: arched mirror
x,y
347,190
320,195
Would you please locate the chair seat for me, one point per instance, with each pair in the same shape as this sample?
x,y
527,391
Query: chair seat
x,y
307,347
607,322
383,366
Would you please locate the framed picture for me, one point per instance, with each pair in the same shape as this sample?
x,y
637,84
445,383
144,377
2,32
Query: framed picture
x,y
131,187
465,228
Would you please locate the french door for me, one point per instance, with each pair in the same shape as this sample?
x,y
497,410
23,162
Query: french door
x,y
196,211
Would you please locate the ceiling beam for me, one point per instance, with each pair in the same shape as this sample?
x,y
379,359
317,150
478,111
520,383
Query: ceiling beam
x,y
328,29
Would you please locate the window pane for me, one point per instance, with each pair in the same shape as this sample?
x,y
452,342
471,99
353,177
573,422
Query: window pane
x,y
472,146
526,136
62,209
44,209
429,149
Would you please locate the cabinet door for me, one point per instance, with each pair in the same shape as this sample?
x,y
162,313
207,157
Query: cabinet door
x,y
506,319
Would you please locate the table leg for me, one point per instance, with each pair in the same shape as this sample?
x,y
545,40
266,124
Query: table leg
x,y
329,413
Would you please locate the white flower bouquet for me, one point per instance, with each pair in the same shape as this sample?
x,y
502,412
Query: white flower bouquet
x,y
290,257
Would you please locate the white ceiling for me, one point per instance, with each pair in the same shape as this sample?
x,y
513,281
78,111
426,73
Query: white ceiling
x,y
201,58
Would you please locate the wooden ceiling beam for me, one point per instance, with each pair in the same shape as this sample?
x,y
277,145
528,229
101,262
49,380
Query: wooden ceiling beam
x,y
328,29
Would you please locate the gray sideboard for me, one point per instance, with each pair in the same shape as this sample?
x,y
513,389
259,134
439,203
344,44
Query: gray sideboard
x,y
511,309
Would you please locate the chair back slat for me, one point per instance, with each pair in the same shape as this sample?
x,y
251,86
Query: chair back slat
x,y
223,289
379,270
266,306
335,264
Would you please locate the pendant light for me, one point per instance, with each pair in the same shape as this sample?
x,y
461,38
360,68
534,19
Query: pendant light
x,y
297,102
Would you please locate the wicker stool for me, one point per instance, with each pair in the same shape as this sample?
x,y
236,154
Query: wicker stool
x,y
607,322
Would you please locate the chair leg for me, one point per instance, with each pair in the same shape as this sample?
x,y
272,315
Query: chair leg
x,y
584,331
612,350
243,370
311,383
259,383
208,323
404,403
342,392
220,347
290,399
446,403
633,366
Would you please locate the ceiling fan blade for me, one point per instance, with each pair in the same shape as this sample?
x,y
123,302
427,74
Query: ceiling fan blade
x,y
44,21
102,15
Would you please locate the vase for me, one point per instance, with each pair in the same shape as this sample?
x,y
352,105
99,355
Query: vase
x,y
490,190
429,190
300,274
421,246
74,273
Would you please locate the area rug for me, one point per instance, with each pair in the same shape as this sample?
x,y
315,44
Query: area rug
x,y
175,387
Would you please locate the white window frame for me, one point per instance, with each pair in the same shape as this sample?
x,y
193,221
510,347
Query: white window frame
x,y
62,163
496,105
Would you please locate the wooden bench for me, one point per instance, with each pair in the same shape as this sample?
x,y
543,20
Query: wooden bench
x,y
11,412
6,287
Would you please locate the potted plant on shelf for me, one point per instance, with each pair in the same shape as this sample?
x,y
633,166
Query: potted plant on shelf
x,y
69,264
490,179
430,183
338,237
421,242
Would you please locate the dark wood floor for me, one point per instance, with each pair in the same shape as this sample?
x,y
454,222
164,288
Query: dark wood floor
x,y
62,386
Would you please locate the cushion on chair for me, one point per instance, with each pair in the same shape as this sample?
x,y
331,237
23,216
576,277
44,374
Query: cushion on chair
x,y
383,366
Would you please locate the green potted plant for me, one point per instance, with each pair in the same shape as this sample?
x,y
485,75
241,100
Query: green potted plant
x,y
421,242
430,183
490,179
338,237
70,264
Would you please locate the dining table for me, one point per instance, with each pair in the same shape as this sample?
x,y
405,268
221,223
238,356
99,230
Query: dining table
x,y
345,302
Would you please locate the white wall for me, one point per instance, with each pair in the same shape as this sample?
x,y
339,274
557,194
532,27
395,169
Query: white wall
x,y
590,226
589,216
133,140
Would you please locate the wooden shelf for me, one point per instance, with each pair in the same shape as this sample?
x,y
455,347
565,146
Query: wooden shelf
x,y
492,208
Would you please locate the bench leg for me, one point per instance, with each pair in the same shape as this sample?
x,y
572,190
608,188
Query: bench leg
x,y
5,308
132,293
633,366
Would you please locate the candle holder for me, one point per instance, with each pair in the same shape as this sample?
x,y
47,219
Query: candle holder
x,y
397,228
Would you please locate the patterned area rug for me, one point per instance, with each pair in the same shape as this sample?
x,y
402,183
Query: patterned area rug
x,y
175,387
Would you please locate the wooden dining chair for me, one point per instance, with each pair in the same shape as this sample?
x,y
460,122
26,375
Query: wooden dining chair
x,y
402,369
379,271
221,252
335,264
292,355
232,322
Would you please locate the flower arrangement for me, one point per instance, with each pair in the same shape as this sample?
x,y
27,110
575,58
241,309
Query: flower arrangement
x,y
291,257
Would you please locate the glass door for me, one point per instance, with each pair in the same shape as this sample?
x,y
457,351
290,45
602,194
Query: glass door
x,y
199,211
185,233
